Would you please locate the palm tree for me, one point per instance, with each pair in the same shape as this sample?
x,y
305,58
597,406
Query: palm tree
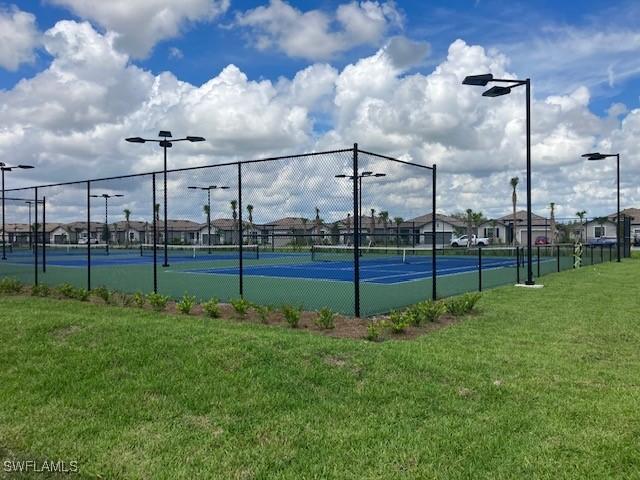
x,y
250,212
348,225
318,224
127,216
156,209
581,214
552,226
514,201
206,209
373,226
472,219
234,215
398,221
384,218
304,230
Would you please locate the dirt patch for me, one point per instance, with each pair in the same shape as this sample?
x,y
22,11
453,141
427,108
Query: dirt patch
x,y
63,333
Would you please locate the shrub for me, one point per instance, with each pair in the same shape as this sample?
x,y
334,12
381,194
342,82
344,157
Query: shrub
x,y
326,318
126,300
241,306
427,311
375,329
67,290
157,301
40,290
81,294
211,308
263,312
186,303
10,285
462,304
292,315
103,293
139,299
399,321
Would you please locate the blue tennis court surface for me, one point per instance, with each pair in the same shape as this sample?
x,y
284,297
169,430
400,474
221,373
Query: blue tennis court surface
x,y
379,272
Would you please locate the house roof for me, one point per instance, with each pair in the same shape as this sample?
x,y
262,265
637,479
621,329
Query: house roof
x,y
428,218
634,213
292,222
521,218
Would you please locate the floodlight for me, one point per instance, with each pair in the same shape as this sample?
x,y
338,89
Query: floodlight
x,y
497,91
165,134
195,139
480,80
135,139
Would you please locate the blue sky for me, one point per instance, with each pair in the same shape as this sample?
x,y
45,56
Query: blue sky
x,y
207,47
259,78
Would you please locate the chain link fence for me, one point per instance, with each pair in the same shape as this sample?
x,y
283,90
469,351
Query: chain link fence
x,y
351,230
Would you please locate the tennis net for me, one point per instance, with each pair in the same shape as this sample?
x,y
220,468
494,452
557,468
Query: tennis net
x,y
80,250
203,251
345,253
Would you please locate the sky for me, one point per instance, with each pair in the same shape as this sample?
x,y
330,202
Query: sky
x,y
262,78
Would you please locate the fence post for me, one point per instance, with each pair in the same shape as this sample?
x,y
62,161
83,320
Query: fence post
x,y
601,254
88,235
356,234
538,258
434,269
44,234
240,228
517,264
35,232
479,268
155,235
558,256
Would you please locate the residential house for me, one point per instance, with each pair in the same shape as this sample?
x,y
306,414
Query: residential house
x,y
503,230
446,228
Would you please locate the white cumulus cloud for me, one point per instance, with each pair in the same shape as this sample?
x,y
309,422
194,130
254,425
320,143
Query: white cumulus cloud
x,y
140,24
314,34
19,37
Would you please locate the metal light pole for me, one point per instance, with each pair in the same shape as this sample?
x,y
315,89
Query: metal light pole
x,y
106,214
208,189
6,168
165,143
497,91
359,177
599,156
29,203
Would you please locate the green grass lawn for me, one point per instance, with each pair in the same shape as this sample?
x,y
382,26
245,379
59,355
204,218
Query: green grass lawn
x,y
540,384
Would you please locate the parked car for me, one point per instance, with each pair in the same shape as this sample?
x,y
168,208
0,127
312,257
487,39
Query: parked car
x,y
542,240
594,242
463,241
84,241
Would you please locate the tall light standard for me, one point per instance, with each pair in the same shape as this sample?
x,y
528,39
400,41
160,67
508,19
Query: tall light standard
x,y
106,197
497,91
165,141
208,189
600,156
29,202
7,168
359,177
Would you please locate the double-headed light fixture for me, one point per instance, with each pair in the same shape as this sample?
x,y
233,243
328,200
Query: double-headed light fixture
x,y
359,177
596,156
7,168
498,91
106,197
165,141
208,189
